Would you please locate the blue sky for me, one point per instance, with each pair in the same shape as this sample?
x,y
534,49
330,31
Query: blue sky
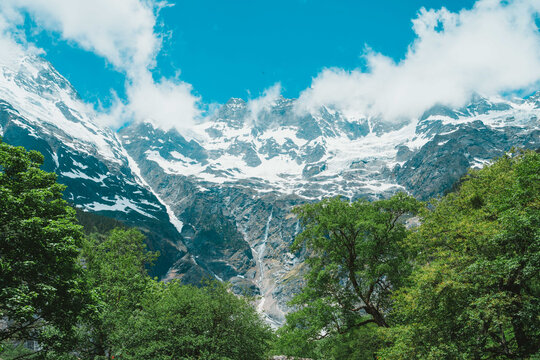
x,y
238,48
171,62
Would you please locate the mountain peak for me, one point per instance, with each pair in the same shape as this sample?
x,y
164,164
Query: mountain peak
x,y
236,102
534,99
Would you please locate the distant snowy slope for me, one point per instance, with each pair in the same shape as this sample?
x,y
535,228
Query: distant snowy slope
x,y
40,110
321,154
235,181
218,204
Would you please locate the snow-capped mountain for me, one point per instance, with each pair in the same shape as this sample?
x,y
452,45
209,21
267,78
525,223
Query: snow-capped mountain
x,y
237,179
322,154
218,203
40,110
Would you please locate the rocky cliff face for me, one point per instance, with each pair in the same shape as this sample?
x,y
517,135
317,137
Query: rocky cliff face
x,y
41,111
463,138
233,184
218,204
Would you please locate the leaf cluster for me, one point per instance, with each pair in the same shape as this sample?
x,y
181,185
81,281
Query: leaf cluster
x,y
475,290
40,276
356,261
464,284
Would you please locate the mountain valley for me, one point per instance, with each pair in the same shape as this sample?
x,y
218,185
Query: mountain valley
x,y
217,202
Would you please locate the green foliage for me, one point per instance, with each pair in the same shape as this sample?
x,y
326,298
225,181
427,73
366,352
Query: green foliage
x,y
11,350
297,336
475,291
185,322
40,276
116,272
356,262
93,223
464,284
138,317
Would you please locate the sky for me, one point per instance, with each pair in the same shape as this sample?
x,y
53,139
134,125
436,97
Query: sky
x,y
172,62
239,48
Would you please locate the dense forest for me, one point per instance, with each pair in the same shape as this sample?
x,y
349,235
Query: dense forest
x,y
452,278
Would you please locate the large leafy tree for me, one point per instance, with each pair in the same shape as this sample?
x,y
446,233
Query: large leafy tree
x,y
40,276
186,322
138,317
356,261
116,271
475,292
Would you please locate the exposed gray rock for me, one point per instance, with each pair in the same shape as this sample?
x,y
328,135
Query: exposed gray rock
x,y
218,205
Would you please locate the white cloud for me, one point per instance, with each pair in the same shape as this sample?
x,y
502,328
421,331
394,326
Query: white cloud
x,y
167,104
124,33
489,49
10,52
265,101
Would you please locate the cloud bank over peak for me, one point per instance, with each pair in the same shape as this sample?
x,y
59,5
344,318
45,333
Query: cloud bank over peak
x,y
120,31
167,103
490,49
268,99
123,32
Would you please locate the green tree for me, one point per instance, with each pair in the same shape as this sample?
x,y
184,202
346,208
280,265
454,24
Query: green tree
x,y
185,322
40,276
116,269
475,291
356,261
137,317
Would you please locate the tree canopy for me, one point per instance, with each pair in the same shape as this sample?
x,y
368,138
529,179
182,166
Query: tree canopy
x,y
40,276
475,290
463,284
186,322
356,261
138,317
116,271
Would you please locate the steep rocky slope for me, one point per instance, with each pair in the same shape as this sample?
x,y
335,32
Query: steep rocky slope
x,y
234,183
218,203
40,110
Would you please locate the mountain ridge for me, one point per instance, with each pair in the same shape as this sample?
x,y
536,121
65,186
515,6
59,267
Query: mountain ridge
x,y
218,204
